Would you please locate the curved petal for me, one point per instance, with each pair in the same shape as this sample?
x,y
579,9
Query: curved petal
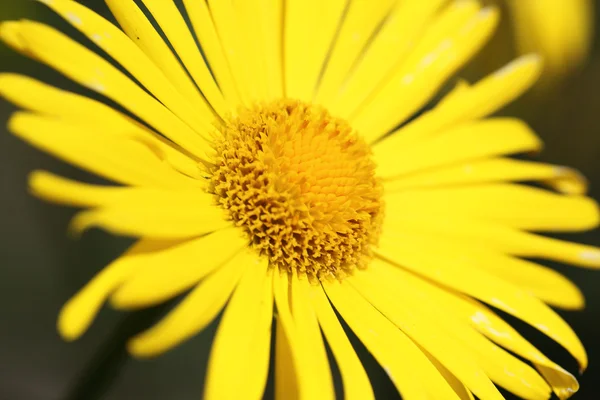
x,y
430,259
239,364
195,312
476,140
354,378
563,179
177,268
407,366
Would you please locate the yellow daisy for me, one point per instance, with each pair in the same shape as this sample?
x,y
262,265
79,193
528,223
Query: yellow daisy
x,y
281,171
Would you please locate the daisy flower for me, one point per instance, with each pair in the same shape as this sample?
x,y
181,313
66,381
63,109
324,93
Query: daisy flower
x,y
273,158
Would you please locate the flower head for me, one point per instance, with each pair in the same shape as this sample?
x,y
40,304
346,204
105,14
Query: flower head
x,y
281,171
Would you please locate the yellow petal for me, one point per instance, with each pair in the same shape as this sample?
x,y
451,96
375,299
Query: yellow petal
x,y
512,205
476,140
467,103
90,70
354,378
272,38
77,314
286,381
393,291
36,96
195,311
544,283
310,27
459,388
146,37
123,50
408,368
211,46
495,236
389,47
175,29
119,159
423,73
177,268
361,20
301,329
449,271
239,363
562,179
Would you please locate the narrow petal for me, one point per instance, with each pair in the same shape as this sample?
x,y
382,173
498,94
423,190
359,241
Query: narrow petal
x,y
450,272
167,215
459,388
177,268
360,22
496,236
394,291
213,50
425,70
272,39
286,381
563,179
123,50
409,369
466,103
173,25
47,100
92,71
529,208
239,364
122,160
301,330
473,141
141,31
77,314
195,311
399,33
544,283
310,27
354,378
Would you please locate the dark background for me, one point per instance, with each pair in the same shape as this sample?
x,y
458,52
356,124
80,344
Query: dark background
x,y
41,267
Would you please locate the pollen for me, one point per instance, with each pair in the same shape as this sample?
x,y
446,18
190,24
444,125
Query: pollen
x,y
301,183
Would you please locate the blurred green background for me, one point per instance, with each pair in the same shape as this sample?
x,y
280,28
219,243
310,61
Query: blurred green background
x,y
41,267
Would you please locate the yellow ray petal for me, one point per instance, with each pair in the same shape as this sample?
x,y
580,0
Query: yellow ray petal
x,y
36,96
310,27
354,378
90,70
211,46
397,36
476,140
562,179
77,314
301,330
544,283
173,25
123,50
497,237
272,38
360,22
166,215
408,368
412,319
286,382
144,35
175,269
466,103
120,159
422,75
194,312
450,272
239,363
512,205
459,388
485,321
393,291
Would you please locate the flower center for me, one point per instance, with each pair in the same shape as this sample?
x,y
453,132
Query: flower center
x,y
302,184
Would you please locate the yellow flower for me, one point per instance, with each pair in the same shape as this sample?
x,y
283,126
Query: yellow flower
x,y
561,31
278,174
